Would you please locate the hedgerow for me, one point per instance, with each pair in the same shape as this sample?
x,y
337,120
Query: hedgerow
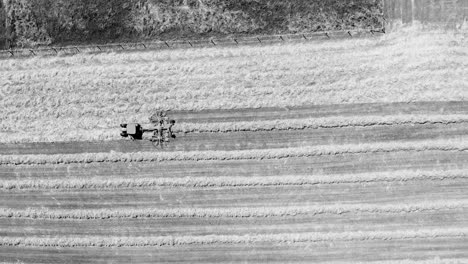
x,y
3,33
34,22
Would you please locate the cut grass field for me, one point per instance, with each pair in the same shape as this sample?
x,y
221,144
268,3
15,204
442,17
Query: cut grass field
x,y
71,95
404,195
256,154
344,152
101,183
105,134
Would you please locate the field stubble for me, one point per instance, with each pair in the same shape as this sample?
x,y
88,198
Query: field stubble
x,y
415,188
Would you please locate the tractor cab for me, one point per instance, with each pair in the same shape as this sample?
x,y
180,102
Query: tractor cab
x,y
134,130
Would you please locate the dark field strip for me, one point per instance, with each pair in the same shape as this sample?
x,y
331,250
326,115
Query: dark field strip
x,y
232,115
190,226
375,250
231,197
252,140
336,164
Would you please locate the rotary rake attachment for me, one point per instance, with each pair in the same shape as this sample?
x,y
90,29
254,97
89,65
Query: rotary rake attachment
x,y
161,127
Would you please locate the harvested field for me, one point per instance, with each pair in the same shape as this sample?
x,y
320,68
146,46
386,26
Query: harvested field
x,y
367,178
99,91
315,194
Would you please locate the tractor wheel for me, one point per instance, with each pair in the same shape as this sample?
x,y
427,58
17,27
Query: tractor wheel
x,y
124,134
157,142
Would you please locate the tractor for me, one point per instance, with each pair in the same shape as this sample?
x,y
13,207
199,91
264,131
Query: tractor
x,y
162,129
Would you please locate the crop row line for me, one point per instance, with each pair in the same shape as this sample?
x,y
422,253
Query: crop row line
x,y
231,181
235,212
264,125
232,239
440,145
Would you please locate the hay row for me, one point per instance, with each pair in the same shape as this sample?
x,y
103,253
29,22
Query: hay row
x,y
231,181
322,122
440,145
232,239
235,212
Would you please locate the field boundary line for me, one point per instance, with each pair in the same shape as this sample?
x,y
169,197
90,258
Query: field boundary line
x,y
259,154
231,181
109,134
235,212
191,43
234,239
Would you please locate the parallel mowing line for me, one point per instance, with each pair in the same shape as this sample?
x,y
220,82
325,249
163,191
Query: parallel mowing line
x,y
265,125
441,145
233,239
236,212
322,122
231,181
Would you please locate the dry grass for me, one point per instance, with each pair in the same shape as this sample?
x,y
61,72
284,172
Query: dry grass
x,y
280,153
43,93
100,183
324,122
234,212
232,239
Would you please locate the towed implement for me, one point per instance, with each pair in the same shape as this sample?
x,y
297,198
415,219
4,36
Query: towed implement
x,y
161,127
